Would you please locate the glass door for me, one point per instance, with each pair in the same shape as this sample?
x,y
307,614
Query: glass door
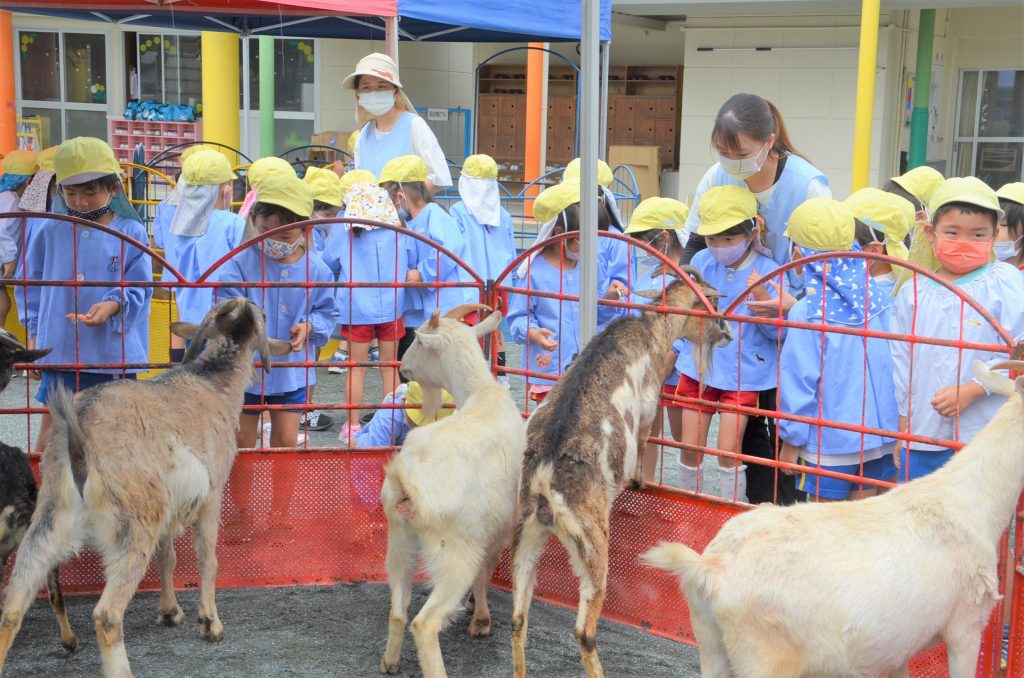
x,y
990,126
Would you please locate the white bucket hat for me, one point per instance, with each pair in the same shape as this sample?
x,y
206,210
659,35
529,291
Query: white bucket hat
x,y
379,66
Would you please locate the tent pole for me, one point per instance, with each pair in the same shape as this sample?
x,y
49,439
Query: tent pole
x,y
8,101
244,142
267,141
590,31
866,65
391,37
602,145
922,90
220,89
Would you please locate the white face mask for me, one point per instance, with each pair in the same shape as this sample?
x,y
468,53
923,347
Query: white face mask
x,y
743,168
377,103
1007,250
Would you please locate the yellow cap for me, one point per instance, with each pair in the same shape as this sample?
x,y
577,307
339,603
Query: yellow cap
x,y
352,142
325,185
553,200
722,207
207,168
414,396
353,177
887,212
20,162
288,192
192,150
270,166
84,159
821,224
658,214
404,169
970,190
45,158
604,172
1013,192
480,166
920,182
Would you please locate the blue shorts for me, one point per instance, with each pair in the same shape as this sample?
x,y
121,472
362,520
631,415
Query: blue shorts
x,y
296,397
74,381
882,468
922,463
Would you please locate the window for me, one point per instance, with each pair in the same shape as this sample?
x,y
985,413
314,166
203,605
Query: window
x,y
63,80
294,90
990,126
170,70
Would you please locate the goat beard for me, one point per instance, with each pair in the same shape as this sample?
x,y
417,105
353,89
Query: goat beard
x,y
431,402
702,354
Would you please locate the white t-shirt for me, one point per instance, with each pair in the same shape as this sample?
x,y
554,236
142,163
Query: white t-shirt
x,y
425,145
10,229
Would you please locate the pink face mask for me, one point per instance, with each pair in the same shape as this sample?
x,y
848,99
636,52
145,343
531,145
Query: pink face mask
x,y
961,256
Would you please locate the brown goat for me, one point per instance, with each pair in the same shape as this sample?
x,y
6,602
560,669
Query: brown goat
x,y
583,446
130,465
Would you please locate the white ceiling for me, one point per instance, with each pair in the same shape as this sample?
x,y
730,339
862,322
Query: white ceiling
x,y
678,9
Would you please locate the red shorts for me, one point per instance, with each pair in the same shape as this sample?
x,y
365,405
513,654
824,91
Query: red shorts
x,y
364,334
689,388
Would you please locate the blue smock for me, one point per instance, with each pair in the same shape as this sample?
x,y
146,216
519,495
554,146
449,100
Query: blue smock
x,y
379,255
60,251
162,218
489,249
375,151
194,256
387,428
436,224
285,307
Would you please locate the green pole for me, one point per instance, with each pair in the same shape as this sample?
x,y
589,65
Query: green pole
x,y
922,89
267,144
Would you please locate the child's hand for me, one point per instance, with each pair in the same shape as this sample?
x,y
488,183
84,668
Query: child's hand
x,y
413,276
299,334
770,307
99,313
9,269
952,400
616,291
791,455
542,337
759,293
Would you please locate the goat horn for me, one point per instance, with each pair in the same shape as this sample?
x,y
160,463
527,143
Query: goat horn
x,y
435,319
1015,365
462,310
689,270
196,345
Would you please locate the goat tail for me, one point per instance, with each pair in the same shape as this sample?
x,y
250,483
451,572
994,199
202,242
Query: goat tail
x,y
65,420
685,563
548,505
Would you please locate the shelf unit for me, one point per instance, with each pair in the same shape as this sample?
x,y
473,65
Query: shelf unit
x,y
643,110
153,135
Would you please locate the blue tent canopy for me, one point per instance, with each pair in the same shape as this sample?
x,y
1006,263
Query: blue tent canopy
x,y
419,20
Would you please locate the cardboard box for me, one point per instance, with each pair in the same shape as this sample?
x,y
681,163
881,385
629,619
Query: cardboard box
x,y
643,160
331,138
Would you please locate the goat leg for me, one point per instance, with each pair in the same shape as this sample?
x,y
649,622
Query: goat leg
x,y
590,560
480,623
204,538
169,613
401,566
530,538
454,570
67,634
123,573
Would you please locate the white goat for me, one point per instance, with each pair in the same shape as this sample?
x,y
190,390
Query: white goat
x,y
130,464
450,494
858,588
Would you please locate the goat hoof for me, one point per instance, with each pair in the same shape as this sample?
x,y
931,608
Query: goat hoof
x,y
172,617
637,484
389,667
70,646
211,629
480,628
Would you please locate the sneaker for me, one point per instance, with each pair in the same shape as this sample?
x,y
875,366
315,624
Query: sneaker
x,y
338,357
366,418
348,433
266,437
375,354
315,420
503,380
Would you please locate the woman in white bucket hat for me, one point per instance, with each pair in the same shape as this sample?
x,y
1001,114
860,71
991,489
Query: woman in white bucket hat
x,y
390,126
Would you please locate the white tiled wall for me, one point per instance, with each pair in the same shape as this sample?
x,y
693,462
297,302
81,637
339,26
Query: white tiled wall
x,y
815,90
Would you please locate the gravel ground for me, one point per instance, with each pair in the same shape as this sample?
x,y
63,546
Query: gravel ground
x,y
313,631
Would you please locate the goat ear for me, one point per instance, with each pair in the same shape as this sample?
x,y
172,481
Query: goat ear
x,y
30,355
433,342
278,347
184,330
487,325
648,294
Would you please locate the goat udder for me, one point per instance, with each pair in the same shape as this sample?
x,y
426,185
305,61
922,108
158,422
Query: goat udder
x,y
405,509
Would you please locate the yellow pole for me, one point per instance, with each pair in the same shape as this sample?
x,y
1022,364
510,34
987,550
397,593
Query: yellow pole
x,y
868,57
220,89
